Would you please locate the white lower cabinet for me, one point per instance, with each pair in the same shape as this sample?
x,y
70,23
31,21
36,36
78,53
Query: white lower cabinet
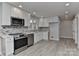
x,y
35,38
7,46
45,35
38,36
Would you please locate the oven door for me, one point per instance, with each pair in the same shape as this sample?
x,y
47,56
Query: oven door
x,y
18,43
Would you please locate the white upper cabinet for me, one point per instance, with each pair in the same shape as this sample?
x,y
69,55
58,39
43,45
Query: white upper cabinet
x,y
16,12
54,19
46,24
25,18
28,19
43,22
6,12
9,11
40,22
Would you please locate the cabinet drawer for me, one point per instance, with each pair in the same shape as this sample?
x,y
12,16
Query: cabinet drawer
x,y
9,39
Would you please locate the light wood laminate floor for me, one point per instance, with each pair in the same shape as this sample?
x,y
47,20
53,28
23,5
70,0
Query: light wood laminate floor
x,y
63,47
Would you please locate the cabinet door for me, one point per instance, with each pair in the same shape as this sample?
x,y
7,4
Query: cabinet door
x,y
46,24
12,11
27,19
45,35
30,39
54,19
35,38
9,46
41,22
16,12
6,9
40,36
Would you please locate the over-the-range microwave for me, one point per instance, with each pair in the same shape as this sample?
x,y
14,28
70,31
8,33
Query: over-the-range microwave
x,y
17,21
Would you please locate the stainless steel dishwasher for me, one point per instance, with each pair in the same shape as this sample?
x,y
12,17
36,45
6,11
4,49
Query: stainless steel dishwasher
x,y
30,39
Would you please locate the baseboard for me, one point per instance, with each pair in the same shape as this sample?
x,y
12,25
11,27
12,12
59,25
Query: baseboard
x,y
66,37
55,39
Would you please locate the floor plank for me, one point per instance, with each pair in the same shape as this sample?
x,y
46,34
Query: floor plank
x,y
63,47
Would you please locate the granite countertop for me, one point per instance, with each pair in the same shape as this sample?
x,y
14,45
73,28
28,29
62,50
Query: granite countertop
x,y
4,34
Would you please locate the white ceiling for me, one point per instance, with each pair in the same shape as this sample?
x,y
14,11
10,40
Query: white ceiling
x,y
47,9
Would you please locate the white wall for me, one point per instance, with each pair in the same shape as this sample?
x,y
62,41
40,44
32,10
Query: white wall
x,y
0,23
66,29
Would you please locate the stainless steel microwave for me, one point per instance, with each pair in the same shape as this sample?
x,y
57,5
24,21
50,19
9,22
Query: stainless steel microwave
x,y
17,21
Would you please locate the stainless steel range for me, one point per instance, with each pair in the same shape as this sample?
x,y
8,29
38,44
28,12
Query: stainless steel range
x,y
20,42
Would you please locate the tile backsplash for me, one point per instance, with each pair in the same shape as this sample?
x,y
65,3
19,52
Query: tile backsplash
x,y
15,30
21,30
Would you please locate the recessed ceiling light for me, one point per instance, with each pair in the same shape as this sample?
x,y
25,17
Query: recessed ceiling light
x,y
20,6
67,4
34,13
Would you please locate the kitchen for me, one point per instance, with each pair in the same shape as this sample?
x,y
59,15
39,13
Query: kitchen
x,y
22,29
17,23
